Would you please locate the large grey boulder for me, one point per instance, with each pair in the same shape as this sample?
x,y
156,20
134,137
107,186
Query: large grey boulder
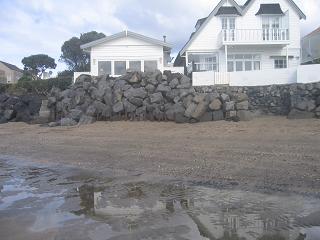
x,y
240,97
225,97
173,111
156,97
199,98
136,101
118,107
108,97
129,107
306,105
150,88
9,114
85,120
135,92
298,114
190,109
200,110
244,105
215,105
228,106
75,114
135,78
174,83
163,88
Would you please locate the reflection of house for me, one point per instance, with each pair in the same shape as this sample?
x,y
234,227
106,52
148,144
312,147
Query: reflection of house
x,y
114,55
9,73
311,47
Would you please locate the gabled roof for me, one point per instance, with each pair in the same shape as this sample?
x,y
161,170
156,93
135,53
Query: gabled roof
x,y
248,3
270,9
228,11
315,32
126,34
200,21
240,9
12,67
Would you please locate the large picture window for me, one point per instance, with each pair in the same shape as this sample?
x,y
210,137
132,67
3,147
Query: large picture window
x,y
203,62
104,68
119,67
135,65
244,62
150,66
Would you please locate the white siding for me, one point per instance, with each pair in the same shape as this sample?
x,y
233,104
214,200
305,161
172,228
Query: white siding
x,y
126,48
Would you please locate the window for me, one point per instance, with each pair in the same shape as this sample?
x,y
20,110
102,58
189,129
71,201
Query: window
x,y
150,66
135,65
228,25
119,67
203,62
243,62
104,68
271,27
280,62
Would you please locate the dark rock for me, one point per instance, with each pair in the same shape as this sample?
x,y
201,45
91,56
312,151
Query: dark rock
x,y
75,114
241,97
3,97
9,114
297,114
217,115
174,83
85,120
190,109
135,92
136,101
67,122
199,98
91,111
318,100
150,88
135,78
163,88
51,101
173,111
225,97
118,107
156,97
129,107
180,118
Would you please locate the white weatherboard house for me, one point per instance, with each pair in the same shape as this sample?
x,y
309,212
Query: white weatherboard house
x,y
116,54
257,43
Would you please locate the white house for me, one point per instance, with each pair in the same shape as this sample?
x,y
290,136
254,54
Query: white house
x,y
115,54
251,40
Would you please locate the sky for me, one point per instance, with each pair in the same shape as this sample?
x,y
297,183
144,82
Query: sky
x,y
30,27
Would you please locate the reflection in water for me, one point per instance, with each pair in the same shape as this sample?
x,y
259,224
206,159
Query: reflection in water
x,y
113,209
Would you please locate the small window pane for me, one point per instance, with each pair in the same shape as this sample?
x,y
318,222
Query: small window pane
x,y
230,67
239,56
135,65
150,66
239,66
248,66
257,65
119,67
280,63
104,68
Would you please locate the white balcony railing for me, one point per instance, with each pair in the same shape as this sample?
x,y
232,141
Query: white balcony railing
x,y
255,36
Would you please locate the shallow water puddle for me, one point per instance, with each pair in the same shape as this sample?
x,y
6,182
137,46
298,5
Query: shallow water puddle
x,y
65,203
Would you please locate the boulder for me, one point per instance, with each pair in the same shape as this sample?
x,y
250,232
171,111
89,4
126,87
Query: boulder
x,y
150,88
118,107
9,114
85,120
217,115
174,83
244,105
91,111
173,110
3,97
317,101
225,97
156,97
129,107
108,96
181,118
135,92
190,109
163,88
240,97
228,106
215,105
136,101
244,115
135,78
67,122
200,110
199,98
75,114
306,105
298,114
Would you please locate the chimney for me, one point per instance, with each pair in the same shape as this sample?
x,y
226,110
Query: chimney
x,y
164,38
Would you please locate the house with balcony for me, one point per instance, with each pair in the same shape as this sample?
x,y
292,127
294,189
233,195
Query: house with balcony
x,y
245,42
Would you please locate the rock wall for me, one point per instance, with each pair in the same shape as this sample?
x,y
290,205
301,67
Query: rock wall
x,y
171,97
19,108
143,96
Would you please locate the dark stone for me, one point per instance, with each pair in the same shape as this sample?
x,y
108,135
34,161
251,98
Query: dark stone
x,y
67,122
206,117
118,107
163,88
156,97
75,114
217,115
9,114
242,105
136,101
173,110
174,83
190,109
91,111
228,106
135,92
200,110
180,118
129,107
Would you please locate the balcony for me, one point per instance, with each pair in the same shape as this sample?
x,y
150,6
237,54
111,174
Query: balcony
x,y
255,36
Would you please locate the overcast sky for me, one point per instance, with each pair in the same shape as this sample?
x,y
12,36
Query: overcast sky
x,y
41,26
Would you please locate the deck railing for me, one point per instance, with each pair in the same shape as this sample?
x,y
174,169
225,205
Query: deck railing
x,y
258,36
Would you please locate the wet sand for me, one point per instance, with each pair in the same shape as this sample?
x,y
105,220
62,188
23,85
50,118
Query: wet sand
x,y
270,153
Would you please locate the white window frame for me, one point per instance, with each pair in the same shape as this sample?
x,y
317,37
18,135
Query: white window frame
x,y
210,63
280,63
234,60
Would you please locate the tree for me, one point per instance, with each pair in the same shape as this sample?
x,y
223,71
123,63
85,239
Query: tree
x,y
36,65
73,56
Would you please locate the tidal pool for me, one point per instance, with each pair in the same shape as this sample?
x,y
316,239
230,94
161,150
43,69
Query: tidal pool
x,y
41,202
